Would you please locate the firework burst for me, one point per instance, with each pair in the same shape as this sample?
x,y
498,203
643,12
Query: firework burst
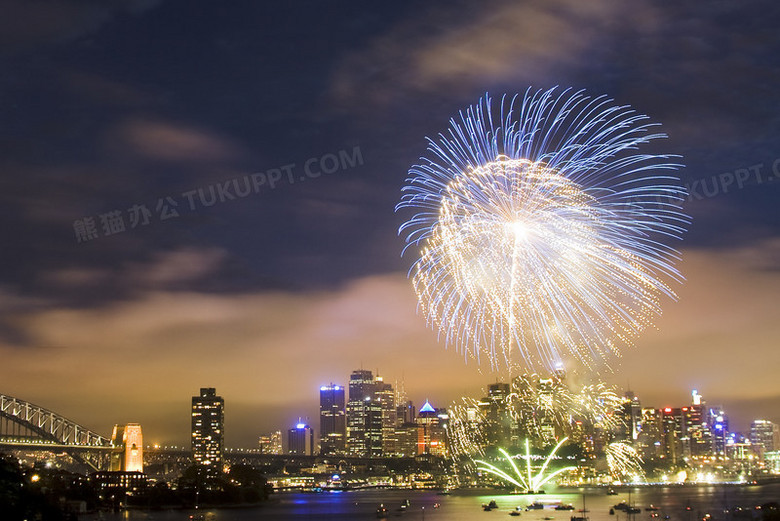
x,y
526,481
542,231
623,461
536,408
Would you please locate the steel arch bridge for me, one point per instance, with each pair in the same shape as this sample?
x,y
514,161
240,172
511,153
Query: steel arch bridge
x,y
29,426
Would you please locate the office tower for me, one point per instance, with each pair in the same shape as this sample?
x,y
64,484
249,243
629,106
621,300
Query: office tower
x,y
670,420
333,422
405,412
632,410
300,440
547,389
405,430
385,395
406,439
130,439
431,430
208,419
698,428
765,435
649,442
271,443
498,422
718,423
364,416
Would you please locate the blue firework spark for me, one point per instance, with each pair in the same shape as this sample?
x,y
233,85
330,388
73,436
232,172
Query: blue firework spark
x,y
542,230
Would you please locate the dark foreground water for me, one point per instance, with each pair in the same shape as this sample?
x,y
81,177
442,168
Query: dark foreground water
x,y
680,503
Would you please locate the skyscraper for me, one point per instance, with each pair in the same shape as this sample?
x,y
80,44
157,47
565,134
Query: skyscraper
x,y
385,395
494,407
300,440
765,435
364,416
208,419
333,423
431,430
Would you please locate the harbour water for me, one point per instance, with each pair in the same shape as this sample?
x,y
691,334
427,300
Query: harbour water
x,y
679,503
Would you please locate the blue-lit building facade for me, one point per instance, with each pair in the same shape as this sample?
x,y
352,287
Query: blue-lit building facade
x,y
300,440
333,420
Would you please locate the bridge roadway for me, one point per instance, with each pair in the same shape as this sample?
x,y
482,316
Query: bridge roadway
x,y
181,455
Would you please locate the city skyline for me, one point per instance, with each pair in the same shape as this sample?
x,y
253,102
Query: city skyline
x,y
204,195
739,421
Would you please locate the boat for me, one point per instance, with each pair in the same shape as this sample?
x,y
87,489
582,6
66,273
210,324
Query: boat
x,y
535,506
621,506
381,511
564,507
612,492
405,504
514,513
651,508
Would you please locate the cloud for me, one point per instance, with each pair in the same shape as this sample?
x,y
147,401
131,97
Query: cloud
x,y
164,141
267,352
162,271
260,350
29,23
720,338
438,51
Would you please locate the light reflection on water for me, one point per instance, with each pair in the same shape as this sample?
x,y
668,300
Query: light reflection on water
x,y
672,501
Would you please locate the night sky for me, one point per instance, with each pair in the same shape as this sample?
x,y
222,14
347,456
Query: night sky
x,y
122,108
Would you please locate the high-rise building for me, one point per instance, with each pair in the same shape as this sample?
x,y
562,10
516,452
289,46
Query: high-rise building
x,y
130,438
364,416
765,435
498,422
208,419
271,443
405,430
432,430
718,423
405,412
300,440
650,443
698,428
333,422
385,395
632,409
